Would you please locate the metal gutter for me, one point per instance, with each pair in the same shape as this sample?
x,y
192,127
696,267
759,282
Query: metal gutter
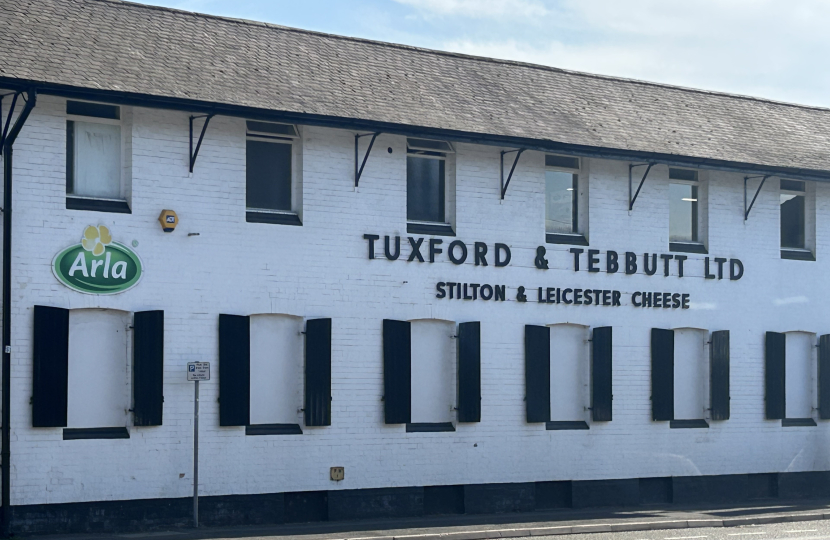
x,y
5,454
354,124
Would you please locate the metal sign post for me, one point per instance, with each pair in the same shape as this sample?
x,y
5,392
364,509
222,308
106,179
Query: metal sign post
x,y
196,371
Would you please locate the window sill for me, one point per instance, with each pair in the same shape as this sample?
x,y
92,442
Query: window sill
x,y
688,424
75,434
797,254
688,247
252,216
560,425
98,205
274,429
560,238
435,229
798,422
429,427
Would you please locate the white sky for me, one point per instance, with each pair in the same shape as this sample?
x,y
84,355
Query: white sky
x,y
769,48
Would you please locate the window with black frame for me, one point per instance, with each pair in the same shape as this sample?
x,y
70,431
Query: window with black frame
x,y
426,186
93,158
562,200
792,200
684,211
269,173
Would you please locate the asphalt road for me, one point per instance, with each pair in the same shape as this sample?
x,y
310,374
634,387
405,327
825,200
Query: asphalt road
x,y
804,530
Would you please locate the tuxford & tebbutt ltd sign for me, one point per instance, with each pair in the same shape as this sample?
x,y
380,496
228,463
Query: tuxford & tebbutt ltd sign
x,y
97,265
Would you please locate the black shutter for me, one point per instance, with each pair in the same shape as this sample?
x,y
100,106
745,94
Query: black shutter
x,y
662,374
51,367
601,386
719,375
318,372
234,370
148,368
397,371
824,377
774,368
469,372
537,373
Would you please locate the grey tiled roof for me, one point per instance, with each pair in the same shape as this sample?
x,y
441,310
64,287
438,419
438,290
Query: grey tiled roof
x,y
124,47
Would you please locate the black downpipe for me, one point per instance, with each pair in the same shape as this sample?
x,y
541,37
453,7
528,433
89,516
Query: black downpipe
x,y
5,455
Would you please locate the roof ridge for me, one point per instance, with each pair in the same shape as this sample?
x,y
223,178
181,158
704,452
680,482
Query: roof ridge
x,y
126,3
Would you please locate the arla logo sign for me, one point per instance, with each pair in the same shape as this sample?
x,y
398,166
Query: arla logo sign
x,y
97,265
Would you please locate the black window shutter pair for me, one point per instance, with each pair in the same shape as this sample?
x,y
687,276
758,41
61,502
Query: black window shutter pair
x,y
775,363
397,371
662,374
235,371
537,374
51,367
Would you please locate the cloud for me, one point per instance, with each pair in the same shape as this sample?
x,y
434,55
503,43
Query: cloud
x,y
756,47
791,300
478,9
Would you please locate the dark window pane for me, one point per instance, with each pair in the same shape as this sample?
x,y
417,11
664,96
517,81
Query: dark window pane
x,y
792,221
560,197
683,174
682,213
276,129
70,156
425,189
792,185
268,172
82,108
562,161
427,144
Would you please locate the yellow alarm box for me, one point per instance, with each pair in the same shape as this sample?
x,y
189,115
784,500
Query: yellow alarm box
x,y
168,220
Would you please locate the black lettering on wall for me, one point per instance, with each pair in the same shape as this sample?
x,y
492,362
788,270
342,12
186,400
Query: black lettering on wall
x,y
593,260
736,269
441,292
416,249
720,262
666,259
499,249
630,263
611,263
451,252
389,254
486,292
576,252
706,273
680,259
653,269
501,292
480,254
434,249
371,238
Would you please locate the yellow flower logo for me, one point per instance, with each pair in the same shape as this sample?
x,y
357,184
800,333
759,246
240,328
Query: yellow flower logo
x,y
96,239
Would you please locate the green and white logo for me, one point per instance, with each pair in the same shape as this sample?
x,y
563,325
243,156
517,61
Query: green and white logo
x,y
98,265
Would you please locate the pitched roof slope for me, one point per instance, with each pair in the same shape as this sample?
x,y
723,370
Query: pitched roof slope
x,y
120,46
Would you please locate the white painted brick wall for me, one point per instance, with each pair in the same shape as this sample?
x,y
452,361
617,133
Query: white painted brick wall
x,y
321,270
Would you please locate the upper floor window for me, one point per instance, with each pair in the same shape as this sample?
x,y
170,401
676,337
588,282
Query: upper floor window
x,y
683,205
94,157
792,201
271,193
562,219
426,181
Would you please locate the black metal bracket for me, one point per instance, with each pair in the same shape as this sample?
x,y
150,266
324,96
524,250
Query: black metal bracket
x,y
359,172
747,209
512,169
194,154
631,184
4,131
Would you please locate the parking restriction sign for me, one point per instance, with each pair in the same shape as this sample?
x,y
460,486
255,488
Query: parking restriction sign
x,y
198,371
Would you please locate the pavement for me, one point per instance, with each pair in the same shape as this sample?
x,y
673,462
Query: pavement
x,y
593,522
